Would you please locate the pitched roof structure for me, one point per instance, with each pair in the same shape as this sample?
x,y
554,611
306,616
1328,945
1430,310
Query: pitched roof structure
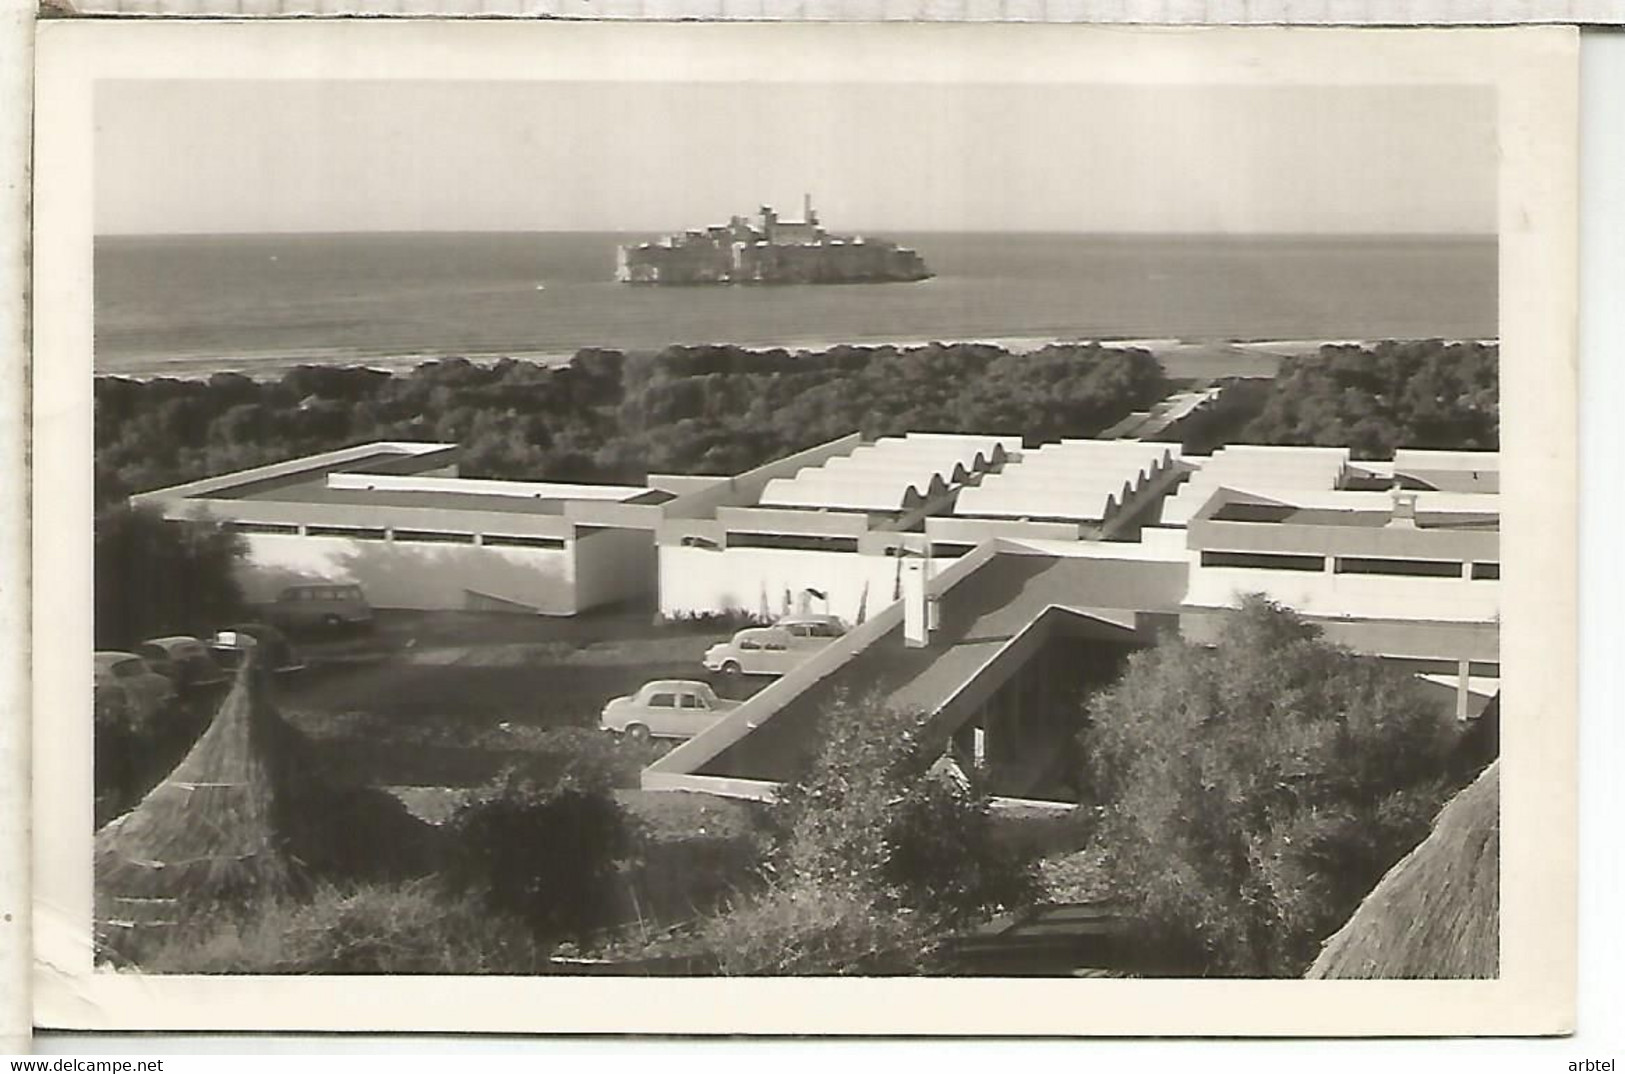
x,y
1085,480
214,830
1436,914
895,473
245,816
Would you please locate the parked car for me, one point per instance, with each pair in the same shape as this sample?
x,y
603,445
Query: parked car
x,y
813,626
776,649
280,655
125,679
666,708
324,606
183,660
111,705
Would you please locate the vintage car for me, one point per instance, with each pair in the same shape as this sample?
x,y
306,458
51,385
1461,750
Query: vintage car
x,y
325,606
183,660
228,647
125,685
776,649
666,708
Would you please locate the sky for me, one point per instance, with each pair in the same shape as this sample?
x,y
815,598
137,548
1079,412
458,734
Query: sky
x,y
283,156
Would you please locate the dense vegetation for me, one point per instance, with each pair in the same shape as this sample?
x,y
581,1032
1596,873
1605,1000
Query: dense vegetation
x,y
154,577
544,856
612,416
1421,394
1255,791
881,851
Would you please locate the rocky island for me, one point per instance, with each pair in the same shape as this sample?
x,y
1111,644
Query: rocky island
x,y
767,249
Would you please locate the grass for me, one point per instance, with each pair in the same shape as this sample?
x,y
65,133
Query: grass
x,y
452,698
408,928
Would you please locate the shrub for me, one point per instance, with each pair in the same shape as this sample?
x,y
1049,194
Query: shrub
x,y
586,758
547,857
942,856
815,929
723,622
877,804
881,849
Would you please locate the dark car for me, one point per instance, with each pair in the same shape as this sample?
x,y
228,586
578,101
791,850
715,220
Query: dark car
x,y
184,660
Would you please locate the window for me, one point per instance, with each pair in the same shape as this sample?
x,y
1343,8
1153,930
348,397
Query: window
x,y
694,701
1269,561
354,533
774,645
1486,571
263,527
434,537
129,669
805,541
663,701
503,540
1407,568
749,645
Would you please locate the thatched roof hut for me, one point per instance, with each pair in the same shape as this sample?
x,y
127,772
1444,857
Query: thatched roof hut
x,y
248,816
1437,913
215,830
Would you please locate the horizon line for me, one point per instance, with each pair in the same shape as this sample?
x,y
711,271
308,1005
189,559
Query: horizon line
x,y
1086,233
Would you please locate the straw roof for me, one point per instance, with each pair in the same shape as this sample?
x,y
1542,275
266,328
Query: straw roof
x,y
214,831
1437,913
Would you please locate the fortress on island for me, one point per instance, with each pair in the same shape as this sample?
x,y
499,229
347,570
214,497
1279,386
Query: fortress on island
x,y
768,249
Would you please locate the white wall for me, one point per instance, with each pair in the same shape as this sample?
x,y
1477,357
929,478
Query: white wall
x,y
404,574
754,580
1362,596
613,565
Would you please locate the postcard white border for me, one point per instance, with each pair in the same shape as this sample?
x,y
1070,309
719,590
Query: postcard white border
x,y
1534,72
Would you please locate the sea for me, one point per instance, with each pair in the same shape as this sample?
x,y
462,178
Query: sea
x,y
194,305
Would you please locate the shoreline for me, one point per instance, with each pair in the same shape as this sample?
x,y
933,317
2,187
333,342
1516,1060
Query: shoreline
x,y
1180,357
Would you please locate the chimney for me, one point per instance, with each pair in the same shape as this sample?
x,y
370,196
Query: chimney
x,y
916,616
1404,516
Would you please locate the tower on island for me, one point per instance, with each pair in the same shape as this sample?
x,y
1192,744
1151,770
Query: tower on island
x,y
768,249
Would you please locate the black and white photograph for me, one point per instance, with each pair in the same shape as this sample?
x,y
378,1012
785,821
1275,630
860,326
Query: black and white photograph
x,y
698,503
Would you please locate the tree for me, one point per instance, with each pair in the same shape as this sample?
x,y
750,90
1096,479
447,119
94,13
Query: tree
x,y
881,849
155,576
1421,393
1254,791
612,416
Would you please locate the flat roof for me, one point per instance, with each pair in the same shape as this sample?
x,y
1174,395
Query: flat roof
x,y
305,488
